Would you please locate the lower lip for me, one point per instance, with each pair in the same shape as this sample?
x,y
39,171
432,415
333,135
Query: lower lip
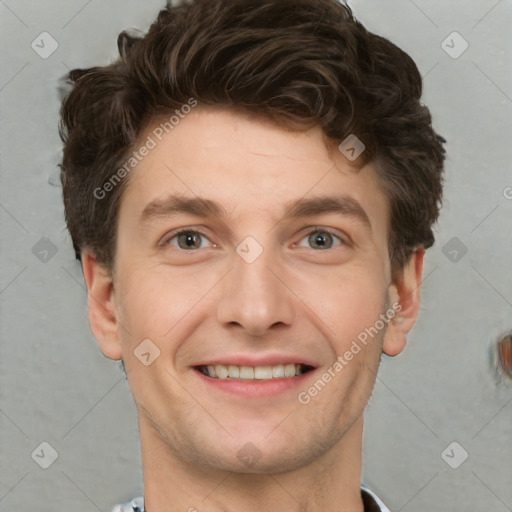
x,y
256,388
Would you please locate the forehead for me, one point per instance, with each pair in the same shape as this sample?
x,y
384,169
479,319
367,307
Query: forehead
x,y
245,165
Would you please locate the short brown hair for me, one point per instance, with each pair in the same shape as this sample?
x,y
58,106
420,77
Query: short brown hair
x,y
300,63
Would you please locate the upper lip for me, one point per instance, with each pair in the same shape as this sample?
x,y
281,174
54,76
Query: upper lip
x,y
257,360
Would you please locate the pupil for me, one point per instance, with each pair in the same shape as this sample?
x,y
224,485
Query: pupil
x,y
320,239
189,239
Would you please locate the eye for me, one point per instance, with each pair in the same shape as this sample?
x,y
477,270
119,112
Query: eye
x,y
322,238
191,240
187,239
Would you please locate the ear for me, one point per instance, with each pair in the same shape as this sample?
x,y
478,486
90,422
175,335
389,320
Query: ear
x,y
101,304
404,290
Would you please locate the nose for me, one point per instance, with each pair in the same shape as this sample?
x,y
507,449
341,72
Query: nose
x,y
256,296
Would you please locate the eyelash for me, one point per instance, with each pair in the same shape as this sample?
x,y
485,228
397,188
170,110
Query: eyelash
x,y
317,229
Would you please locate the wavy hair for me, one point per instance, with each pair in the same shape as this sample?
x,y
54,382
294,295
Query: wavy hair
x,y
299,63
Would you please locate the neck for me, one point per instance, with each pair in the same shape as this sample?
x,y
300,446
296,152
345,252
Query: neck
x,y
330,483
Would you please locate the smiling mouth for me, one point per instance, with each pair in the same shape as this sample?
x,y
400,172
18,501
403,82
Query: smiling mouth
x,y
278,371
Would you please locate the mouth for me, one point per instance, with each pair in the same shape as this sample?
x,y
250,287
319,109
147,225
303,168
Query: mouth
x,y
254,373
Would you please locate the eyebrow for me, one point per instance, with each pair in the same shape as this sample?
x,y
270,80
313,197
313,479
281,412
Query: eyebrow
x,y
202,207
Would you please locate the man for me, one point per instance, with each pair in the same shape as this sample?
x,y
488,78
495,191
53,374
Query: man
x,y
250,190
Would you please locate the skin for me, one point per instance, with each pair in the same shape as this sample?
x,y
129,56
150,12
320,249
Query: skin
x,y
296,297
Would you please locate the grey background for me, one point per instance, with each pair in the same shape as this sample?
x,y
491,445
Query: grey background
x,y
56,386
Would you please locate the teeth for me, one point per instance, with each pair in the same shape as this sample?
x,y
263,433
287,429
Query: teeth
x,y
289,370
264,372
234,372
278,371
246,372
220,371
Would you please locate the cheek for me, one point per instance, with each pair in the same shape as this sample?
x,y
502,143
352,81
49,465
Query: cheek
x,y
158,305
148,307
349,301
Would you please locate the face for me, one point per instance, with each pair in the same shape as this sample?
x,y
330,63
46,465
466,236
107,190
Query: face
x,y
279,270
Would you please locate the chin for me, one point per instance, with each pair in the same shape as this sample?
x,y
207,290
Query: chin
x,y
264,463
276,454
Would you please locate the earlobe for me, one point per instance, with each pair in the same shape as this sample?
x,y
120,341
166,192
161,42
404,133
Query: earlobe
x,y
102,306
404,292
